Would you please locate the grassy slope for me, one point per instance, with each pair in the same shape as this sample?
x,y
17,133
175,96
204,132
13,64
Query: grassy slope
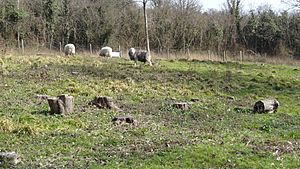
x,y
218,132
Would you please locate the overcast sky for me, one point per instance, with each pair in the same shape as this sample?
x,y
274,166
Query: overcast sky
x,y
247,4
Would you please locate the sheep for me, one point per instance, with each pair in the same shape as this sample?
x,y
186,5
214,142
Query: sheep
x,y
140,55
106,51
69,49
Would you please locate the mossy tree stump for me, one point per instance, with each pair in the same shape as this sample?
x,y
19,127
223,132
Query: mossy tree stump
x,y
195,100
62,104
9,158
103,102
266,106
123,119
181,105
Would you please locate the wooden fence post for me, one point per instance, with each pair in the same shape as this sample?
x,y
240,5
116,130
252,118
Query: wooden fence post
x,y
120,51
91,49
241,56
224,56
23,49
60,47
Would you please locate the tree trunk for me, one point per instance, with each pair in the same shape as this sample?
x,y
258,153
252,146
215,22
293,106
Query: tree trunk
x,y
18,29
22,45
74,35
51,40
146,26
60,47
266,106
18,37
201,37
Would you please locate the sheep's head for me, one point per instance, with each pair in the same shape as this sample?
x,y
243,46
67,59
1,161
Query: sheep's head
x,y
69,51
131,51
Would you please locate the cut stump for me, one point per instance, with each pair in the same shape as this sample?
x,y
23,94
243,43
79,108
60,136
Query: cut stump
x,y
195,100
181,105
62,104
41,97
123,119
67,102
266,106
103,102
9,158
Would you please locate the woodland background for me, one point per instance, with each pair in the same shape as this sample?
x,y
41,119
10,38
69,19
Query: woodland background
x,y
175,25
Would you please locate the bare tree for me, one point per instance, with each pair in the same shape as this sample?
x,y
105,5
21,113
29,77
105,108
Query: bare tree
x,y
163,24
146,26
144,2
185,21
233,7
292,3
18,31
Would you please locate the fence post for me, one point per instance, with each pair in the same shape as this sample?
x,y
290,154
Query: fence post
x,y
241,56
209,55
23,49
60,48
121,53
91,49
224,56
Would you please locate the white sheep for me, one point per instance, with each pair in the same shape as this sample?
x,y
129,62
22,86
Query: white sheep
x,y
69,49
106,51
140,55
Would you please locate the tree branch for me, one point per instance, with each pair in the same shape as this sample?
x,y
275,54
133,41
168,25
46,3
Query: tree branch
x,y
292,3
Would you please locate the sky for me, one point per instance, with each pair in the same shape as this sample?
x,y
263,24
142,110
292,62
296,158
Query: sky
x,y
247,4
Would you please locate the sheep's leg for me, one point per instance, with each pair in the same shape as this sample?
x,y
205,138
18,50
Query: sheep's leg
x,y
135,61
149,61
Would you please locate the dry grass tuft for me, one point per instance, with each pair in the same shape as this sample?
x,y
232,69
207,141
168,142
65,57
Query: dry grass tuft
x,y
6,125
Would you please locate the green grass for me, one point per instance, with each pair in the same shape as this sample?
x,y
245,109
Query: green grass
x,y
219,131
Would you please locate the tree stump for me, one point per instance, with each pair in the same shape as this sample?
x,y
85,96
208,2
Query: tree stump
x,y
195,100
103,102
123,119
181,105
41,97
9,158
62,104
68,103
266,106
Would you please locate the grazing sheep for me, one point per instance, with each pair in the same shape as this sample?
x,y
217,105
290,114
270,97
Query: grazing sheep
x,y
141,55
106,51
69,49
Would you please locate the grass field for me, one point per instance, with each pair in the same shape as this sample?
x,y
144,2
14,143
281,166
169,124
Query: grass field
x,y
219,131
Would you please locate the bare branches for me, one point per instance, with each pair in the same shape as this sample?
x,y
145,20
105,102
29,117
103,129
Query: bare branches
x,y
292,3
